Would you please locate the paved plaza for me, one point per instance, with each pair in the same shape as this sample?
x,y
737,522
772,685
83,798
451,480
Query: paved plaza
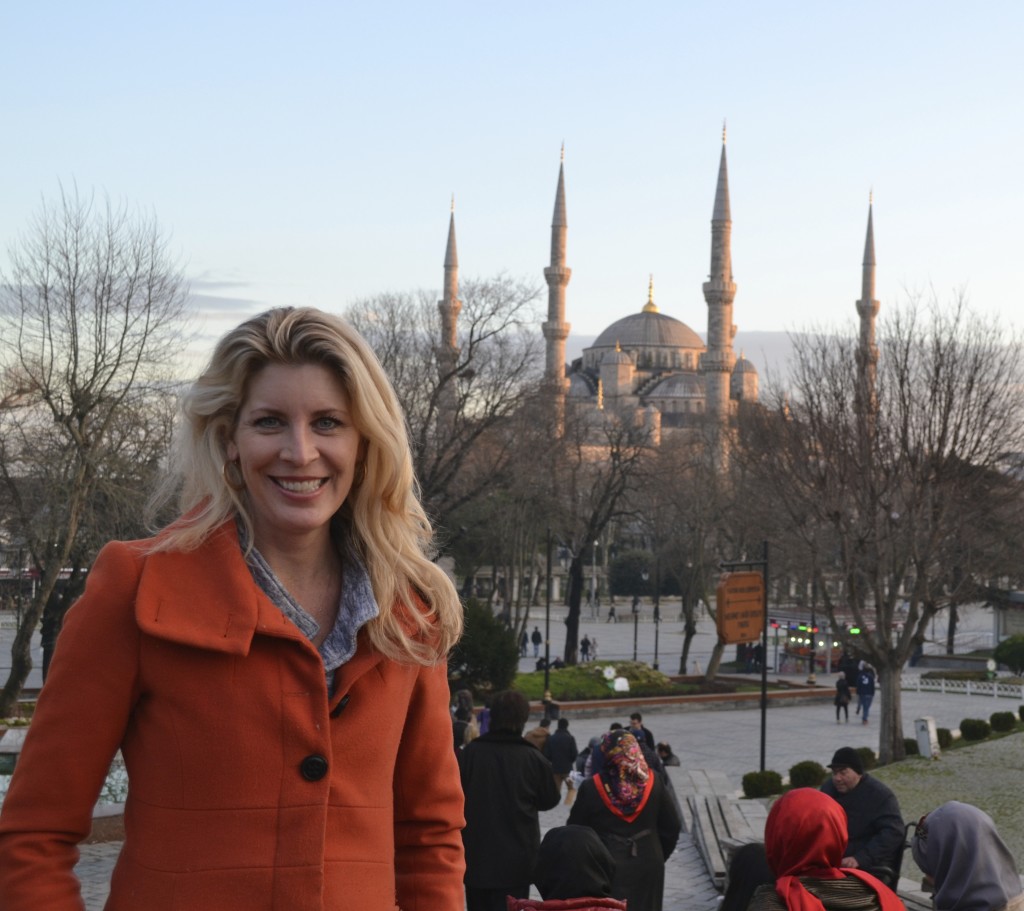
x,y
727,740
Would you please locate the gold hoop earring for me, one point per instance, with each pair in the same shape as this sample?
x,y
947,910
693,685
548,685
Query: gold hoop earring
x,y
236,485
357,481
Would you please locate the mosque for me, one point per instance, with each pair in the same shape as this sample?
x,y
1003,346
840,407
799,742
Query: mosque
x,y
648,365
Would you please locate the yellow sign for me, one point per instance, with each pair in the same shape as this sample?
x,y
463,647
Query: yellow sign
x,y
740,607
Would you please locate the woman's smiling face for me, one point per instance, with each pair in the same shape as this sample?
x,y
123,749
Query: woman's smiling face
x,y
297,450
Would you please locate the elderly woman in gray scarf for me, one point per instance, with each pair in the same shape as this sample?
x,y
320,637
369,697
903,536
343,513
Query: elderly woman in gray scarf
x,y
958,848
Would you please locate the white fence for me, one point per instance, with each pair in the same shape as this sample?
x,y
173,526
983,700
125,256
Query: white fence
x,y
994,688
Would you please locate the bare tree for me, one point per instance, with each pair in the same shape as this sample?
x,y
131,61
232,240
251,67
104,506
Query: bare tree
x,y
881,498
458,456
594,469
93,317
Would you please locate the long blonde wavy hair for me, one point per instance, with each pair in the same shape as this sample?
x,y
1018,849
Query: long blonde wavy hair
x,y
382,516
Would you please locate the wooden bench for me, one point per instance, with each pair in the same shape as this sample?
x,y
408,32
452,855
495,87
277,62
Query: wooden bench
x,y
717,819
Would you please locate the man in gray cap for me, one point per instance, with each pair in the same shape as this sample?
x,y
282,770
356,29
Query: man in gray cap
x,y
873,817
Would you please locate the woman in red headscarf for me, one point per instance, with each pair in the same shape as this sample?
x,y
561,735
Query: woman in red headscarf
x,y
632,813
805,837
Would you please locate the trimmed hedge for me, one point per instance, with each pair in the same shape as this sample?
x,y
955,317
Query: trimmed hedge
x,y
911,747
945,736
762,784
1002,721
807,774
975,728
868,757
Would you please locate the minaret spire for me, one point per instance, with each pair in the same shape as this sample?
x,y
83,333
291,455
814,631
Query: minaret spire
x,y
555,328
449,307
867,310
719,293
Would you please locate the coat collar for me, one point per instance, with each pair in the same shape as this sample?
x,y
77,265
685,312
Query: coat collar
x,y
206,598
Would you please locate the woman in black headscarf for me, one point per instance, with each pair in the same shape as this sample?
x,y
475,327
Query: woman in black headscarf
x,y
629,808
573,871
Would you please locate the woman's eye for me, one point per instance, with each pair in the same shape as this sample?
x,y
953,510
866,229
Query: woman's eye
x,y
267,422
325,424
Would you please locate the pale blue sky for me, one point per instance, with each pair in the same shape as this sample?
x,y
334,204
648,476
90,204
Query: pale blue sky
x,y
306,152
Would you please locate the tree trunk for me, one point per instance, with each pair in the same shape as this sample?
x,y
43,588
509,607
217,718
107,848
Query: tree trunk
x,y
689,631
572,620
890,716
21,648
954,617
714,661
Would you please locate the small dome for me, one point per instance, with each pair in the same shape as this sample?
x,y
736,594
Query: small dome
x,y
616,357
678,386
742,365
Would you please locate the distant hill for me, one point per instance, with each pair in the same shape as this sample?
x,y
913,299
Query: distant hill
x,y
769,351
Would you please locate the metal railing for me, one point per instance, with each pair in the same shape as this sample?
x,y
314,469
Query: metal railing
x,y
994,688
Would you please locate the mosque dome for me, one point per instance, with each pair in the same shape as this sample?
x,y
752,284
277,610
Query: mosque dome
x,y
678,386
647,329
652,339
743,365
617,356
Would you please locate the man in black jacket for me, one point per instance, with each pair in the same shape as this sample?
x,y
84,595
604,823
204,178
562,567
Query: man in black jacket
x,y
506,781
561,751
873,817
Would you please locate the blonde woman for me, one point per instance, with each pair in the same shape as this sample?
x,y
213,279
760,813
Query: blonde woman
x,y
271,665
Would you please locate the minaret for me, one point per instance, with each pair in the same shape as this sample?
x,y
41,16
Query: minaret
x,y
448,349
867,309
555,328
719,293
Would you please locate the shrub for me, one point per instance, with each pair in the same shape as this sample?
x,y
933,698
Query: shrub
x,y
487,656
911,747
868,757
945,736
762,784
1020,712
975,728
807,774
1011,653
1002,721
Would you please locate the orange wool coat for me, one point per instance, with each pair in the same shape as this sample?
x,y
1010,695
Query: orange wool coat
x,y
249,789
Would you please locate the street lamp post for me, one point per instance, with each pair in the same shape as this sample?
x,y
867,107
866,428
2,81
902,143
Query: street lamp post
x,y
547,625
657,608
636,612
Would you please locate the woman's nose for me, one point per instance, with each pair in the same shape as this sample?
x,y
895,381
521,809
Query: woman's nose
x,y
300,446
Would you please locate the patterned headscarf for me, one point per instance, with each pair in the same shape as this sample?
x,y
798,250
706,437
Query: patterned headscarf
x,y
625,781
806,835
959,847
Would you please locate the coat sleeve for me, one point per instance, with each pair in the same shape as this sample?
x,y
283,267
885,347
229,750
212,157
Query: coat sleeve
x,y
429,864
885,842
76,729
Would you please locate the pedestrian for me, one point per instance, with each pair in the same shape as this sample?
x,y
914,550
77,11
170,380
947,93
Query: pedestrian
x,y
969,866
536,638
842,697
506,783
238,659
524,643
611,615
539,735
804,839
865,690
560,749
666,755
874,823
637,729
628,807
585,648
573,871
593,648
